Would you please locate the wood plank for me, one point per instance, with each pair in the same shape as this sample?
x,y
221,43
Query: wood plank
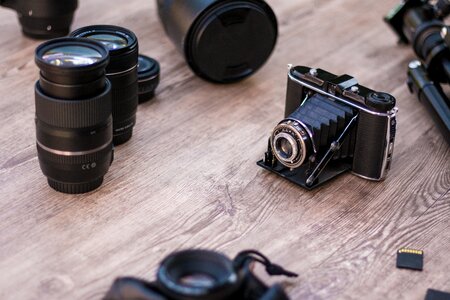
x,y
188,177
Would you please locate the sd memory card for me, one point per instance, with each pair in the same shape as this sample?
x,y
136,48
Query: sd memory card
x,y
410,259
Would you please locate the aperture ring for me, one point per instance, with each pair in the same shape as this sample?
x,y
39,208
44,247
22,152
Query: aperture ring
x,y
73,113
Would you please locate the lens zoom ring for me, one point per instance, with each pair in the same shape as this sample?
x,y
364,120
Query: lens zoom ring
x,y
73,113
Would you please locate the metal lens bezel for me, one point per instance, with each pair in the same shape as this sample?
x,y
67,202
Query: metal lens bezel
x,y
71,56
291,141
121,35
67,42
86,32
296,134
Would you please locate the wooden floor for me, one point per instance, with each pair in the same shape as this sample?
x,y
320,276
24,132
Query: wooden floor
x,y
188,177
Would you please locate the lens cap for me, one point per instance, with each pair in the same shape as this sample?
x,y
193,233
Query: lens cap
x,y
231,40
148,72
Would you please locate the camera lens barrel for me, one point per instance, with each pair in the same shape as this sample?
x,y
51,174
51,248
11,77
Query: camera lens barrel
x,y
222,40
198,274
73,128
122,72
44,19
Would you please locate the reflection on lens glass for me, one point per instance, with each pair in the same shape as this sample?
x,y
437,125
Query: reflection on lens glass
x,y
144,65
111,41
286,148
197,280
67,56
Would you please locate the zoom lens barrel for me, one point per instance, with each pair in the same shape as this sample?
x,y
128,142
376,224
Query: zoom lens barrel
x,y
198,274
73,114
44,19
122,72
223,41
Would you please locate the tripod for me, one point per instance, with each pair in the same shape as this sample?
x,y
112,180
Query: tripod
x,y
421,24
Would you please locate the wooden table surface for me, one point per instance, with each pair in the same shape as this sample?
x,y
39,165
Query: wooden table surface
x,y
188,177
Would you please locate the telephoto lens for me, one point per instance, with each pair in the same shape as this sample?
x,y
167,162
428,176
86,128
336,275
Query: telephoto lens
x,y
122,72
43,19
223,41
73,114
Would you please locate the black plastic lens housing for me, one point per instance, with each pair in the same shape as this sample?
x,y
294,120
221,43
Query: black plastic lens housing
x,y
223,41
149,76
198,274
44,19
73,114
121,71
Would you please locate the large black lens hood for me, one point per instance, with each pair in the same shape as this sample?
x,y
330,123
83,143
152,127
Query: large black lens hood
x,y
222,40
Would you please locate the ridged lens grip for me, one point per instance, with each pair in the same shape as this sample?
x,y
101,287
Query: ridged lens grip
x,y
73,113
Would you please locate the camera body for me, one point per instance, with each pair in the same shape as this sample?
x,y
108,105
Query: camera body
x,y
202,275
332,125
43,19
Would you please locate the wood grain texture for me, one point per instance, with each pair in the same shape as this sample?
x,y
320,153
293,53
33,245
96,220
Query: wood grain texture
x,y
188,177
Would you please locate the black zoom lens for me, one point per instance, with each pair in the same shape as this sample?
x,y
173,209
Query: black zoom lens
x,y
73,114
122,72
198,274
44,19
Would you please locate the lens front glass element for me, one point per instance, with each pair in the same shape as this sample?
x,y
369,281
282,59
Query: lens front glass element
x,y
285,148
111,41
71,56
197,280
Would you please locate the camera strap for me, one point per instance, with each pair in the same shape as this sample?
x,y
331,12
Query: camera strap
x,y
256,256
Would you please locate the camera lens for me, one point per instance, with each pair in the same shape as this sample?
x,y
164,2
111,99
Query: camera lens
x,y
121,71
198,274
73,114
223,41
291,143
44,19
148,72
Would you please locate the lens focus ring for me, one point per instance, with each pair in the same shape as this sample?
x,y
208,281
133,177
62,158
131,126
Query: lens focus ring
x,y
71,113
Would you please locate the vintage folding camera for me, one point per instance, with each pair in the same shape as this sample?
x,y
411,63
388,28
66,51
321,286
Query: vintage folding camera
x,y
332,125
